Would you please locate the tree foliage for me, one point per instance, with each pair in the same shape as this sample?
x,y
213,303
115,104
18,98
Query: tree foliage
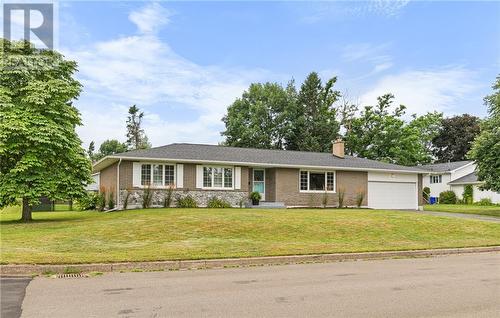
x,y
40,152
258,119
109,147
486,147
136,137
271,116
381,134
455,138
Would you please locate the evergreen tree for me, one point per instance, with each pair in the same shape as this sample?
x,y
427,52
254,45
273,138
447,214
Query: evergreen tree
x,y
136,137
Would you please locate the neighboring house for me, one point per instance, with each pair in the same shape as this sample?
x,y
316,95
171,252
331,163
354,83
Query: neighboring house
x,y
94,186
287,178
455,176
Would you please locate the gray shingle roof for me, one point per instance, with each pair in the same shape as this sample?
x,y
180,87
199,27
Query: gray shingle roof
x,y
191,152
470,178
444,167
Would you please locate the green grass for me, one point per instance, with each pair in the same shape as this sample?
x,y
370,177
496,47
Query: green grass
x,y
168,234
493,210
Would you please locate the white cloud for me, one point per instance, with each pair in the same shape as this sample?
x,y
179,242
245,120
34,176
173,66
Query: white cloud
x,y
144,70
373,55
425,90
150,18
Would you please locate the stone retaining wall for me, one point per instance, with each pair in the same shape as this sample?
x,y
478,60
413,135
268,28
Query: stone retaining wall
x,y
135,198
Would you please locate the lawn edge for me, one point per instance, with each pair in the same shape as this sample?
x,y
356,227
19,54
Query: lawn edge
x,y
35,269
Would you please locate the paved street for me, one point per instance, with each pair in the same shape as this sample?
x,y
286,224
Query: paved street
x,y
451,286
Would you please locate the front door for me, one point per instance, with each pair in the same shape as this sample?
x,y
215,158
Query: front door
x,y
259,183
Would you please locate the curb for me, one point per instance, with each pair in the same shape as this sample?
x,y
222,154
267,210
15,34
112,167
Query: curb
x,y
27,269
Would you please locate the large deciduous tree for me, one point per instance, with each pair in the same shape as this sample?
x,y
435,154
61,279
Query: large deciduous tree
x,y
274,117
40,152
381,134
136,137
258,118
455,138
486,147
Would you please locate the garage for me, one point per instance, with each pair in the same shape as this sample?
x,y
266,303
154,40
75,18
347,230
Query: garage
x,y
392,191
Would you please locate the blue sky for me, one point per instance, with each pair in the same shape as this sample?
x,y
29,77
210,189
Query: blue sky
x,y
183,63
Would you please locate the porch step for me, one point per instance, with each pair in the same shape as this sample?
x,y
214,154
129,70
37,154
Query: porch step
x,y
267,205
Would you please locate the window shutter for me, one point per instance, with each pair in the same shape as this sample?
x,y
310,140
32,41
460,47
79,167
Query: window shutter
x,y
180,176
237,178
136,174
199,176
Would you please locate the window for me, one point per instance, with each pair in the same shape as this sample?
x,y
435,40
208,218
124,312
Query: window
x,y
303,180
330,181
157,175
169,175
145,174
436,179
207,177
317,181
218,177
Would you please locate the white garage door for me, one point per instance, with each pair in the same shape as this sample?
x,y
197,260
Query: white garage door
x,y
392,195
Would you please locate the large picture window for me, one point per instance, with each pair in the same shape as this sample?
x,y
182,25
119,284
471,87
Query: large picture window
x,y
317,181
157,175
218,177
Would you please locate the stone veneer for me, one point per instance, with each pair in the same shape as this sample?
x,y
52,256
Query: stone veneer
x,y
235,198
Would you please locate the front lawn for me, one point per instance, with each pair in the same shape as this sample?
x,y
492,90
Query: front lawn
x,y
167,234
463,208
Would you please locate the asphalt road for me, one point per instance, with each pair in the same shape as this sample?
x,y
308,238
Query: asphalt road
x,y
450,286
11,295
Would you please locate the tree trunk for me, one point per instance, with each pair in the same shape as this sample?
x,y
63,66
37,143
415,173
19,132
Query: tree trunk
x,y
26,214
71,205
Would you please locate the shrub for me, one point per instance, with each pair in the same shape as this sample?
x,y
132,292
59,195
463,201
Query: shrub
x,y
484,202
111,200
186,202
468,195
341,195
147,196
101,199
324,199
255,196
360,196
426,193
88,201
167,199
125,200
215,202
447,197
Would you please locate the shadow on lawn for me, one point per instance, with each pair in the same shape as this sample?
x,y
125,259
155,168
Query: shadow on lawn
x,y
44,217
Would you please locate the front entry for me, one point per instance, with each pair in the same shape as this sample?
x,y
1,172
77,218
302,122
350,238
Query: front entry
x,y
259,184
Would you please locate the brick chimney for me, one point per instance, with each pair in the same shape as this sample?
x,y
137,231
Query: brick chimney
x,y
338,148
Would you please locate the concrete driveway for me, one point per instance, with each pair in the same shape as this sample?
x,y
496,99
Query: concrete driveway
x,y
450,286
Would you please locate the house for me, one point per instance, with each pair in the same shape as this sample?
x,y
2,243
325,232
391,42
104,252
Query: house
x,y
455,176
287,178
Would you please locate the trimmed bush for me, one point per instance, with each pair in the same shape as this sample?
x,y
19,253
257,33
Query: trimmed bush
x,y
215,202
167,199
468,195
186,202
484,202
147,197
447,197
